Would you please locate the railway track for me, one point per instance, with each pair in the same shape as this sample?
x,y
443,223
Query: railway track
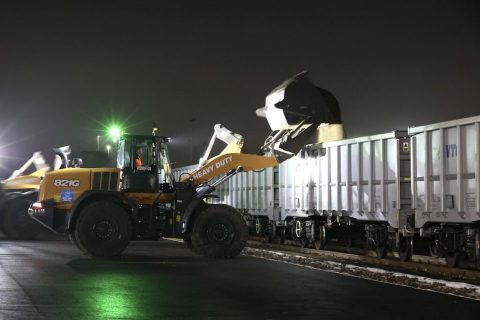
x,y
415,274
419,265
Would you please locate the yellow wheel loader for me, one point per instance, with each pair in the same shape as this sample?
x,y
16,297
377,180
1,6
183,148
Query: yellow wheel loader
x,y
102,210
20,190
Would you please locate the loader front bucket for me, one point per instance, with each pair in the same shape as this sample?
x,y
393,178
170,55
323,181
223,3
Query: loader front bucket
x,y
294,110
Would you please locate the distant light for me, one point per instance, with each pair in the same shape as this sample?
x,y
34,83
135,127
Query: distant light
x,y
108,147
114,132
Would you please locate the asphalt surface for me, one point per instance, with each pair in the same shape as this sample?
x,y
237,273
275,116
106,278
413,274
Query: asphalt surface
x,y
164,280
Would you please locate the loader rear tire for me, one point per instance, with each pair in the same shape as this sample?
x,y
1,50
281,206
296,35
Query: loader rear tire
x,y
219,232
16,224
103,229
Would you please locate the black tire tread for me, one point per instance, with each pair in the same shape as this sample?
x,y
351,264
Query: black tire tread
x,y
10,223
220,251
112,248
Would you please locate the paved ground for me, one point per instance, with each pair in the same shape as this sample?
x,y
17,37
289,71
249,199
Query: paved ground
x,y
163,280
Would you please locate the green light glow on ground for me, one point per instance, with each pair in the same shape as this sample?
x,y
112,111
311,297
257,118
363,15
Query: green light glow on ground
x,y
123,295
113,297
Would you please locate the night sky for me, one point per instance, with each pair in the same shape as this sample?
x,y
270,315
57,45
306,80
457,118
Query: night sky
x,y
68,69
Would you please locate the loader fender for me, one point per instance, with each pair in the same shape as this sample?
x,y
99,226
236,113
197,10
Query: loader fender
x,y
84,199
192,210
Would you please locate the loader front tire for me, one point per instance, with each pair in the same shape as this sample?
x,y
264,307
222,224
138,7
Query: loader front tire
x,y
103,229
188,242
73,240
16,224
219,232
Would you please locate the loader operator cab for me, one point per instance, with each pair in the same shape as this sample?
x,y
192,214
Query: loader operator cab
x,y
144,164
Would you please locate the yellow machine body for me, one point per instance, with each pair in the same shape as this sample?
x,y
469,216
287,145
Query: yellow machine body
x,y
67,185
26,182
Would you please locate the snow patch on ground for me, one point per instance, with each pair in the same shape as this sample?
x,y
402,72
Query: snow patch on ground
x,y
460,289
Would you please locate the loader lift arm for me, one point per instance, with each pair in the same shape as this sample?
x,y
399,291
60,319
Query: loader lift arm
x,y
37,160
41,167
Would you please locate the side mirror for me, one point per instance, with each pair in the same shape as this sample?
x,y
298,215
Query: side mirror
x,y
77,162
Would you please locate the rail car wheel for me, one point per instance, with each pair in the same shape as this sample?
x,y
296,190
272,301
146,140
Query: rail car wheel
x,y
298,229
280,236
16,224
348,242
435,249
381,250
219,232
452,258
258,227
405,247
303,242
283,235
277,239
263,231
273,232
320,238
103,229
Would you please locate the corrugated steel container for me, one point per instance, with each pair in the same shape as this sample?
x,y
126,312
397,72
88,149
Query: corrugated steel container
x,y
446,172
364,178
295,187
254,191
179,172
251,191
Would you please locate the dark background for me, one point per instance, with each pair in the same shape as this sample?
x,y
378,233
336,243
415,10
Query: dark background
x,y
67,70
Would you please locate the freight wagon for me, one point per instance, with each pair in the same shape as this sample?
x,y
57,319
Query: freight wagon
x,y
371,190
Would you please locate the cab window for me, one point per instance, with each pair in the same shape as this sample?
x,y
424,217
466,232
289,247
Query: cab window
x,y
123,154
144,154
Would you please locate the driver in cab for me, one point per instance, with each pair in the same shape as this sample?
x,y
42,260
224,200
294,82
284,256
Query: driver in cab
x,y
139,162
